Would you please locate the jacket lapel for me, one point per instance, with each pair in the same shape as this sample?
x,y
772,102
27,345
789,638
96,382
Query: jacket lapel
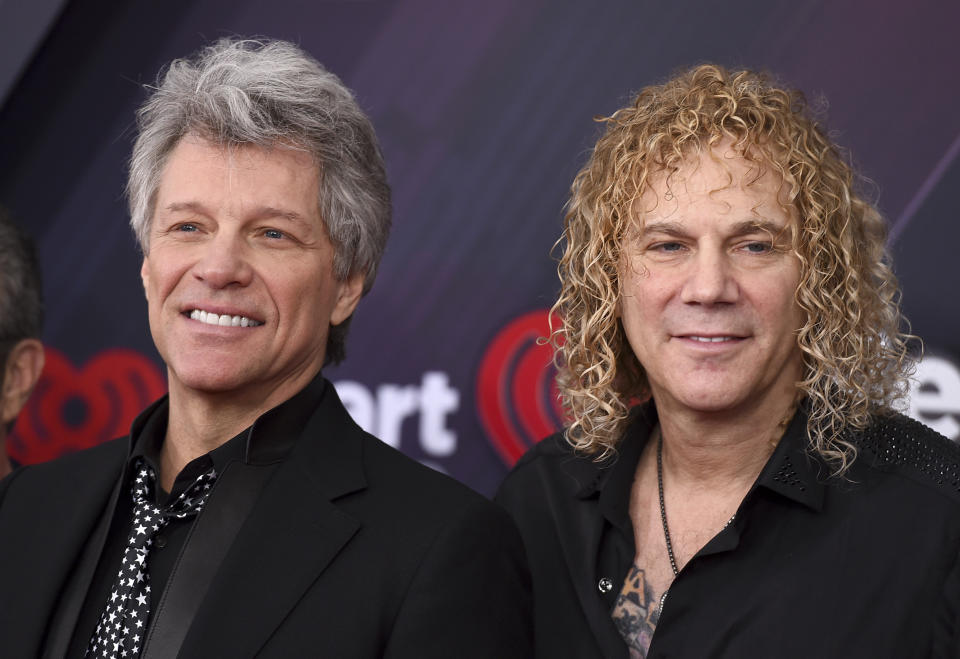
x,y
48,521
293,533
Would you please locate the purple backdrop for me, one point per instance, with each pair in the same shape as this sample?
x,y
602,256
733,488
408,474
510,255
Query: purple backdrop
x,y
485,112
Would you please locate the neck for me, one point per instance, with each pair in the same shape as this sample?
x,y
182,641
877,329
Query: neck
x,y
724,449
200,422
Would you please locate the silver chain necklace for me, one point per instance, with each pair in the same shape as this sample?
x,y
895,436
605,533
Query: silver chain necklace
x,y
663,519
778,432
663,511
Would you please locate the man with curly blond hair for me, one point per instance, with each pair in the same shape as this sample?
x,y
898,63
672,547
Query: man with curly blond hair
x,y
734,479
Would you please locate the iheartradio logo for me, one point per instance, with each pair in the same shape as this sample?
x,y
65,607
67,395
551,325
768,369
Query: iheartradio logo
x,y
517,398
76,408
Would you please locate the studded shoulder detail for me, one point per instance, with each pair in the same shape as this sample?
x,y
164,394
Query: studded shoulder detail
x,y
900,442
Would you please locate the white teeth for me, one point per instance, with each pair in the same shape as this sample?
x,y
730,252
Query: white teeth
x,y
222,321
712,339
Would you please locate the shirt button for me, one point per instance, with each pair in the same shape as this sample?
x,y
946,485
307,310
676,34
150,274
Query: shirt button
x,y
160,541
605,584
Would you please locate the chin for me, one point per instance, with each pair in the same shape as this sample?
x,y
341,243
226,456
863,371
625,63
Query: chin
x,y
210,385
207,379
717,396
709,404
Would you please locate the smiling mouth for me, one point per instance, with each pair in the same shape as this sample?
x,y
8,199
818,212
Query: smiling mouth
x,y
713,339
222,320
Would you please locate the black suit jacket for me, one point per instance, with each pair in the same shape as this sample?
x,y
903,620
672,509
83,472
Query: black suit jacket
x,y
350,550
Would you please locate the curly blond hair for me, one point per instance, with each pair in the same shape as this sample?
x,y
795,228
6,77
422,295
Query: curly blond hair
x,y
855,355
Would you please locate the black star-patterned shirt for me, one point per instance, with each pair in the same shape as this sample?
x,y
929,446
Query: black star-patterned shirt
x,y
272,435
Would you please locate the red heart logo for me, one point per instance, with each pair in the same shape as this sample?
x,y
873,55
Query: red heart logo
x,y
75,409
517,398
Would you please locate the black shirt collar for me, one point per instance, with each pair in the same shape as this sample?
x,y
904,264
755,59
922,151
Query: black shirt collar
x,y
791,471
794,471
267,440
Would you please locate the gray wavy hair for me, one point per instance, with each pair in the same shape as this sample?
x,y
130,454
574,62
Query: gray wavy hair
x,y
271,93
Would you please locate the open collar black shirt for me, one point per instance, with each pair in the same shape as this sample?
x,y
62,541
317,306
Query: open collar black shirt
x,y
264,444
811,566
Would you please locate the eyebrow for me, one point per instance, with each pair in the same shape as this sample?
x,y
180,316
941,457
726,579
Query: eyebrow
x,y
263,212
739,229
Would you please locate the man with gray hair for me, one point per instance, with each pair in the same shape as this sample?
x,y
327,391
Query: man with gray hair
x,y
247,514
21,314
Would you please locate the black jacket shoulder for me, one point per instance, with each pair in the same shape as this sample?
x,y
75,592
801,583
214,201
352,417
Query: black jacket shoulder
x,y
550,467
404,488
71,472
899,445
549,448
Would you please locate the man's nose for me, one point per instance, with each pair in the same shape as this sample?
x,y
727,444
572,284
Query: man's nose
x,y
711,279
224,262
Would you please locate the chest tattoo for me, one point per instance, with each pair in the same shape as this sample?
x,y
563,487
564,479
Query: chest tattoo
x,y
636,612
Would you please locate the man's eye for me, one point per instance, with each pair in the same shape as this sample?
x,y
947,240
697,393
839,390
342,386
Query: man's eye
x,y
273,234
758,248
186,227
667,247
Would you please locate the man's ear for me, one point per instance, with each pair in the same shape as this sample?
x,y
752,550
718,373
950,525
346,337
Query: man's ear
x,y
350,292
22,370
145,274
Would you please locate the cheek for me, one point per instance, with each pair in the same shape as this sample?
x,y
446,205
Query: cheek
x,y
780,307
639,320
163,277
161,283
798,323
299,296
644,296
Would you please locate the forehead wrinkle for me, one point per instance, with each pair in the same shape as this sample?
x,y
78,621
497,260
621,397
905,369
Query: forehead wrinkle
x,y
269,212
189,206
756,175
761,224
743,167
663,226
